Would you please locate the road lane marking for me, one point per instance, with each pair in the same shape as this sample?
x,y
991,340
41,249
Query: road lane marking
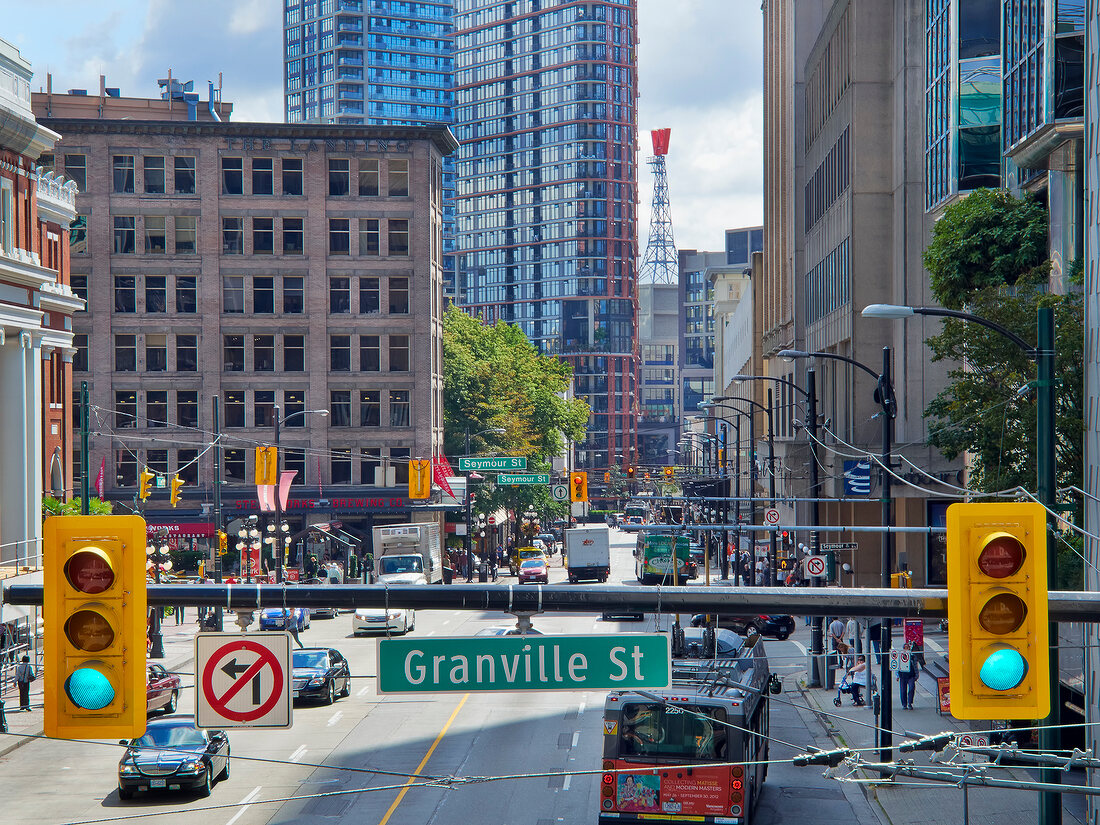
x,y
565,782
248,798
595,625
801,647
405,789
932,643
335,718
576,738
580,709
363,691
298,754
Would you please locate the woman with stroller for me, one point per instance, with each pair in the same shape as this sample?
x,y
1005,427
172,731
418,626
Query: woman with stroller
x,y
856,678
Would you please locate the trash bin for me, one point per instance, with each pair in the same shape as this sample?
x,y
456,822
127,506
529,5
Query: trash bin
x,y
483,572
448,575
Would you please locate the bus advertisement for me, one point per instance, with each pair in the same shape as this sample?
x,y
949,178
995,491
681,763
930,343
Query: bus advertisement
x,y
653,560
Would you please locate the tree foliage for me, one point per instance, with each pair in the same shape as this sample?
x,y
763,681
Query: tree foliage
x,y
987,239
55,507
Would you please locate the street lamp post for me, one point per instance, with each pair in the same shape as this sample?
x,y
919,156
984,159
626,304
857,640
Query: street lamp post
x,y
157,551
468,548
278,545
1044,356
884,396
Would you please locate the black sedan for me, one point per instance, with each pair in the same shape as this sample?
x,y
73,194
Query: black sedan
x,y
320,673
777,625
173,755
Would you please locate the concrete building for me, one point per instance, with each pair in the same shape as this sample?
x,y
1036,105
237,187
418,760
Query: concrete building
x,y
545,114
659,341
36,314
284,268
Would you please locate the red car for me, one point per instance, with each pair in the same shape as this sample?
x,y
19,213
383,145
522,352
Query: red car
x,y
534,571
162,689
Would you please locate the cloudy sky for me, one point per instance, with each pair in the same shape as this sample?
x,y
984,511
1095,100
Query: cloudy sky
x,y
700,71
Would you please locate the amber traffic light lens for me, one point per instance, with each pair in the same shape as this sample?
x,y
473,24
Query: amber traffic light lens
x,y
89,631
90,571
1002,614
1002,556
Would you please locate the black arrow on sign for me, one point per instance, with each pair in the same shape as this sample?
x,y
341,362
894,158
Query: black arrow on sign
x,y
232,669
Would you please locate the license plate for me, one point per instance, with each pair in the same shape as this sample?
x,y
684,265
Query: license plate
x,y
158,783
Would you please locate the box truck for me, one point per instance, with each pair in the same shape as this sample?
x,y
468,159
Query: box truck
x,y
588,553
408,554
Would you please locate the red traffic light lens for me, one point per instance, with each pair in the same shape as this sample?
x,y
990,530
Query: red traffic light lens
x,y
88,630
1004,613
89,571
1002,556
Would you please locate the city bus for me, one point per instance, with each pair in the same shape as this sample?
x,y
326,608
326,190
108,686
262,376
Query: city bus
x,y
636,512
695,752
653,559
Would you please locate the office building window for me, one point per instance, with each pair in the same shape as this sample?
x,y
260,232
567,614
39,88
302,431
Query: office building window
x,y
156,235
185,175
340,353
80,357
400,408
156,293
294,353
157,461
233,348
187,294
125,353
339,236
399,296
186,234
234,408
294,460
125,235
187,466
399,353
293,237
154,175
294,401
125,469
156,353
76,167
399,459
187,408
263,353
370,460
398,178
398,239
263,236
339,408
370,302
369,237
292,176
187,353
368,177
370,408
370,353
232,293
263,408
294,294
263,295
263,176
233,464
122,169
79,286
339,295
156,408
232,236
125,293
232,176
340,465
339,177
125,408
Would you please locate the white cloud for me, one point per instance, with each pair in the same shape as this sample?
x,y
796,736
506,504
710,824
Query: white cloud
x,y
250,16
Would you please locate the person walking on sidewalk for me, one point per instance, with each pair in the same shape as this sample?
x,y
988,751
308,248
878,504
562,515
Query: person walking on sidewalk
x,y
24,675
907,679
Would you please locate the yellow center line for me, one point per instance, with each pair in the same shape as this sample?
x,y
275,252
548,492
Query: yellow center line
x,y
423,762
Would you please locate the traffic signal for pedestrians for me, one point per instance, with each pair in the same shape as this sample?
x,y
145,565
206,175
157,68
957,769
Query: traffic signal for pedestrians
x,y
578,486
145,478
997,611
176,484
420,478
94,607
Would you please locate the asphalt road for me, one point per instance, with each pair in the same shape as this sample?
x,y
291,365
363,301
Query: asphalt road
x,y
352,762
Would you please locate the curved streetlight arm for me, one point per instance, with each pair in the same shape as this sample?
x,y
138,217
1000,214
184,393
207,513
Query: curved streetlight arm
x,y
884,392
737,379
895,311
303,413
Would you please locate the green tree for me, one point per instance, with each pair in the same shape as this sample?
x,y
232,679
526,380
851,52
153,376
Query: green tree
x,y
55,507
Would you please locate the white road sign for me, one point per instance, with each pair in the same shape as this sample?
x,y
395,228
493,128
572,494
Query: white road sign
x,y
771,516
560,492
815,565
899,660
242,681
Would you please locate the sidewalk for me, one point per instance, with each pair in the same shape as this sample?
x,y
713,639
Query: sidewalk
x,y
907,801
179,649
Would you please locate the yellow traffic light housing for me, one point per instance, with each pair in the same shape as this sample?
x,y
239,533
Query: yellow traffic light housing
x,y
145,478
223,542
176,484
420,478
607,476
669,471
630,471
997,611
578,486
94,605
267,465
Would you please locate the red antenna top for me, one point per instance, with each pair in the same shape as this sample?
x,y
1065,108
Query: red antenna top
x,y
660,141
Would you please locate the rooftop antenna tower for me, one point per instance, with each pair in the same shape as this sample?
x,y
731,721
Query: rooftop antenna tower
x,y
661,264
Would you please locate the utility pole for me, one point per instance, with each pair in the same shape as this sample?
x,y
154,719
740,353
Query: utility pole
x,y
217,453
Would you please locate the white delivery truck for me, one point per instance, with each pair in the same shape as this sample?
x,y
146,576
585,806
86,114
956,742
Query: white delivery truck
x,y
588,553
408,554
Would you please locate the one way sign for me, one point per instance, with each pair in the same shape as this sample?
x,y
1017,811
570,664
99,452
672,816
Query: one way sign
x,y
243,681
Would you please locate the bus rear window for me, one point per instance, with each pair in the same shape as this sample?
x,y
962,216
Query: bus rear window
x,y
656,730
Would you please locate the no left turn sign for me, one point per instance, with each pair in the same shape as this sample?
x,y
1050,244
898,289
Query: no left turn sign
x,y
242,681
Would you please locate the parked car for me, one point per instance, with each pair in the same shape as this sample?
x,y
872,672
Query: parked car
x,y
378,619
276,618
534,571
173,755
320,673
162,689
779,626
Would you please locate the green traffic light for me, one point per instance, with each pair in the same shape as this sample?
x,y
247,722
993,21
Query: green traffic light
x,y
1003,670
89,689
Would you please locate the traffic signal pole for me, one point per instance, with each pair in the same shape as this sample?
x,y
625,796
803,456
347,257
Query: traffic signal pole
x,y
817,634
886,692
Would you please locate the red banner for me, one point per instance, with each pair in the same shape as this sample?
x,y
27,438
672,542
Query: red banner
x,y
99,478
441,468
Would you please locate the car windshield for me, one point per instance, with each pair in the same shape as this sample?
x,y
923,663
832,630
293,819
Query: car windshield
x,y
170,736
530,553
310,658
531,564
401,564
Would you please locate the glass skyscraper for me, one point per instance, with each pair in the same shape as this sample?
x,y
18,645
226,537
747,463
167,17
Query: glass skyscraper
x,y
546,226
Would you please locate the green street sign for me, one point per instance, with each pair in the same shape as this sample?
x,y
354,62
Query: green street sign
x,y
526,478
504,462
523,663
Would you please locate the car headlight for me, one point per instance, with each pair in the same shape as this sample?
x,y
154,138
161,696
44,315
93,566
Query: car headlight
x,y
393,614
129,769
192,766
317,680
